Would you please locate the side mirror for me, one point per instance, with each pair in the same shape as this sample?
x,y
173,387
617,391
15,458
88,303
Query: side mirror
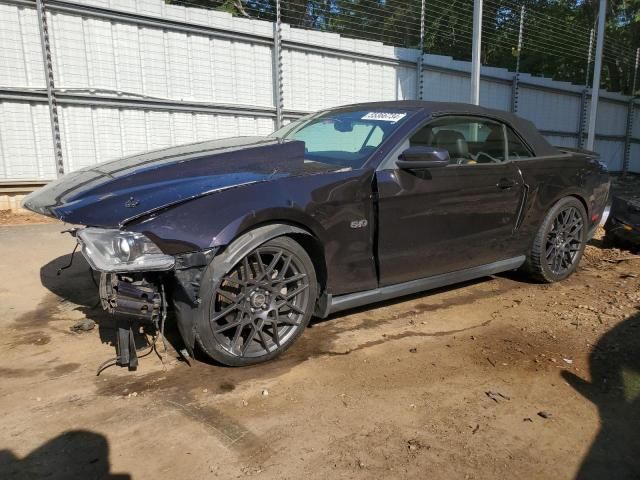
x,y
423,157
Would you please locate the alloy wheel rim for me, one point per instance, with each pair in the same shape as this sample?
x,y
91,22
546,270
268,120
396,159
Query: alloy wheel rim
x,y
260,303
564,241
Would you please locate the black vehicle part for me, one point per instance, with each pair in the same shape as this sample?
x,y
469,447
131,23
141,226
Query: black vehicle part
x,y
358,299
125,344
70,263
185,295
623,224
558,246
124,296
188,281
132,303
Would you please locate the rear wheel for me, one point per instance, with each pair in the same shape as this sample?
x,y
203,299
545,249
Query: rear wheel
x,y
559,243
259,306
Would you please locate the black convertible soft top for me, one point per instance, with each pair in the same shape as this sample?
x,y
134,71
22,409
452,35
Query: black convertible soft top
x,y
524,128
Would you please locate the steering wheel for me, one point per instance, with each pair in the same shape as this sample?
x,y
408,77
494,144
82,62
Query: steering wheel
x,y
464,160
491,159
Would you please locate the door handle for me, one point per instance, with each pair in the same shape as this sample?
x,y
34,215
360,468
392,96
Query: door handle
x,y
506,184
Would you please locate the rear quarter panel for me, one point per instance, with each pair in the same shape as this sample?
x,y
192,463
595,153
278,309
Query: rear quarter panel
x,y
551,178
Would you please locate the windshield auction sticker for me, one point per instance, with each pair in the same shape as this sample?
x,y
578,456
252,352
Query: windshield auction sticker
x,y
384,116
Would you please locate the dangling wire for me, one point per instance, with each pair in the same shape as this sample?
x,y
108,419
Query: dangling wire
x,y
163,318
68,265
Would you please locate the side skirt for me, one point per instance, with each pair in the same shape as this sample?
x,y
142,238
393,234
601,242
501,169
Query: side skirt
x,y
358,299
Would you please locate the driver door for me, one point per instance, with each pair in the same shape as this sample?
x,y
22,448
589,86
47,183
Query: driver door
x,y
444,219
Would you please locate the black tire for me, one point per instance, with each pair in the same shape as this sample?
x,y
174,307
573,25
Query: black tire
x,y
558,246
254,310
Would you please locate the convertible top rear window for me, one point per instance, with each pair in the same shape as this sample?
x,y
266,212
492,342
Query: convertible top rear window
x,y
342,138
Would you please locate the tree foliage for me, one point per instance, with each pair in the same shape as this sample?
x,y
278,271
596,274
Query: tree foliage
x,y
556,33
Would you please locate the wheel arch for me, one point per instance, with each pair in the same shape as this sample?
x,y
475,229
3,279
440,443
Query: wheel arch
x,y
566,193
257,234
534,264
581,199
188,306
543,208
546,199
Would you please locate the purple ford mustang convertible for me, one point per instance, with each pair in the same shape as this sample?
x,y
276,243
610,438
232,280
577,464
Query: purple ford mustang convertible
x,y
247,238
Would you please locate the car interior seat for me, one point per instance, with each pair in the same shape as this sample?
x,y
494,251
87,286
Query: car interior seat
x,y
454,142
422,138
493,146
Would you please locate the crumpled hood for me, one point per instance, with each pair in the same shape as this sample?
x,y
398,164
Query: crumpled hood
x,y
112,193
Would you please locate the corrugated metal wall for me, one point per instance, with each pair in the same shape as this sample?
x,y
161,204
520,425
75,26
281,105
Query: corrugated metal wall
x,y
211,76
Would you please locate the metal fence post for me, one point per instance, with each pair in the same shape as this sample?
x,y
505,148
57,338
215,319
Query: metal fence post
x,y
278,91
51,95
420,79
597,71
476,50
515,88
585,92
629,131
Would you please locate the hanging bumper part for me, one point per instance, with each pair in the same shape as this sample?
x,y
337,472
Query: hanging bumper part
x,y
133,303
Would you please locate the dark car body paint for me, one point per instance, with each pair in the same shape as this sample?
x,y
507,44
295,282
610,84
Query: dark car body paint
x,y
131,187
624,220
322,204
451,218
207,197
570,174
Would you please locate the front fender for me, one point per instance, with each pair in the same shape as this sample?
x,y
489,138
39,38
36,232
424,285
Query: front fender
x,y
216,220
195,273
326,205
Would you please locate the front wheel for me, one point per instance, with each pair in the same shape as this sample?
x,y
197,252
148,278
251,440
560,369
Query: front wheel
x,y
559,243
259,306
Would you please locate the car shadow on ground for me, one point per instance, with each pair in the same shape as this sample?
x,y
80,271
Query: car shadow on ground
x,y
73,454
78,285
614,366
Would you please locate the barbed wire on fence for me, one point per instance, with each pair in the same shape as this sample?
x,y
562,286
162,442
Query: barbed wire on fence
x,y
556,37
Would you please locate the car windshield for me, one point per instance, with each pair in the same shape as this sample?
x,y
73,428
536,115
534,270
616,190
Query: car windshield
x,y
343,138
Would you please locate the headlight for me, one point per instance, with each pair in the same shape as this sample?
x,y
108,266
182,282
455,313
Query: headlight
x,y
109,250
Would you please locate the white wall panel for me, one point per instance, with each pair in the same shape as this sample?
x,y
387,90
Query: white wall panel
x,y
69,51
134,131
611,153
92,134
562,141
314,81
128,58
611,118
550,110
445,87
20,53
25,142
78,139
100,54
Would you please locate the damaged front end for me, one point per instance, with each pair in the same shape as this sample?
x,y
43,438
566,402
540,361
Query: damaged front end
x,y
136,280
135,303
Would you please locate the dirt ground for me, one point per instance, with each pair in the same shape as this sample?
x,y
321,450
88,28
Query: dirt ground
x,y
496,378
24,217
